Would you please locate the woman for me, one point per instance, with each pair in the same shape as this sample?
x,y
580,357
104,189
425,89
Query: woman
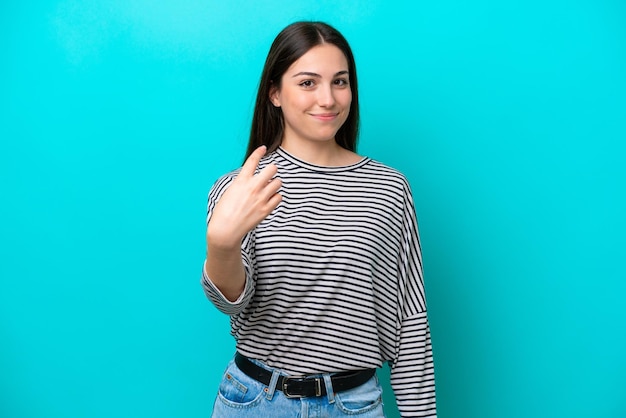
x,y
314,252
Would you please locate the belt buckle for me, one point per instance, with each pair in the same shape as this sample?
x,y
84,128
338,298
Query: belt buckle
x,y
318,386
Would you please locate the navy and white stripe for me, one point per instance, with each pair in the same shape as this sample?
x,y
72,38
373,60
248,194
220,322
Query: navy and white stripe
x,y
334,278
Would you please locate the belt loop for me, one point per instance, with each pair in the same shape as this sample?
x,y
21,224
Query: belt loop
x,y
330,393
272,386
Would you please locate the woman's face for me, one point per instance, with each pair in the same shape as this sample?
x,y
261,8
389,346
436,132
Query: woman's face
x,y
314,96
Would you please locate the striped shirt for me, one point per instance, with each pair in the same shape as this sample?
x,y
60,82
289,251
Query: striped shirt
x,y
334,278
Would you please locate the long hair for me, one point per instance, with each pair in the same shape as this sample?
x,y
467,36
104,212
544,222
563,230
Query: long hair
x,y
291,43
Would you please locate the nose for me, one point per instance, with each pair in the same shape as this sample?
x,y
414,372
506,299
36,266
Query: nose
x,y
325,96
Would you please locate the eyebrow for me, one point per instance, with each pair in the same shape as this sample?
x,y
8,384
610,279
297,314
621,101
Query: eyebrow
x,y
317,75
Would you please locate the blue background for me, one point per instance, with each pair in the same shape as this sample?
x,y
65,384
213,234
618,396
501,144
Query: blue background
x,y
116,117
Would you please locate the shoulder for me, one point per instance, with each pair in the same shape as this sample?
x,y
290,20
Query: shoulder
x,y
387,174
386,169
226,179
221,184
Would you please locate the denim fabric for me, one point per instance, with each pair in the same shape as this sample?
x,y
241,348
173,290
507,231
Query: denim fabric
x,y
240,396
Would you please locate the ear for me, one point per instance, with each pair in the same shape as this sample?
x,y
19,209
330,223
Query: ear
x,y
274,95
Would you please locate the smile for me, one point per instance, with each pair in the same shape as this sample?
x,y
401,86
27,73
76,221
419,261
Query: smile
x,y
325,116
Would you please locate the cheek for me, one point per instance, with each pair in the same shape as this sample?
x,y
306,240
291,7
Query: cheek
x,y
296,102
346,97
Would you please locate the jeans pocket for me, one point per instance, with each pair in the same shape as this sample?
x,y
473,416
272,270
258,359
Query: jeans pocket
x,y
361,399
238,390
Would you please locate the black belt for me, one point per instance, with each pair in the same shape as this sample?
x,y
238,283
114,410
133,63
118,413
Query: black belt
x,y
304,387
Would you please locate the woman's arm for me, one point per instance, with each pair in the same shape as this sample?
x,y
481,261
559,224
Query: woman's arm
x,y
248,200
225,269
412,370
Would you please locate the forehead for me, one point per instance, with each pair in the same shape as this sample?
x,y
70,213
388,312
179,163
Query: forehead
x,y
325,59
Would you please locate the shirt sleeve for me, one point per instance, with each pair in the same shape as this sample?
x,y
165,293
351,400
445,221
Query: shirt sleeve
x,y
412,369
247,255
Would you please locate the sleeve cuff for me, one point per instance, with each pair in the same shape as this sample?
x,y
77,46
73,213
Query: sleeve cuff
x,y
217,292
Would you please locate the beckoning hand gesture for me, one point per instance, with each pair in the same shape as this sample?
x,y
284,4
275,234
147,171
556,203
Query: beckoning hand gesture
x,y
248,200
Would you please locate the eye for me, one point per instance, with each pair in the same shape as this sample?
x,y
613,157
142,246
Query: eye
x,y
307,83
341,82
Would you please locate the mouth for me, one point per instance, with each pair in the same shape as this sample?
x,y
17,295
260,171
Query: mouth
x,y
325,117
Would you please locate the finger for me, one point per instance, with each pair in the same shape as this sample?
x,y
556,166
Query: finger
x,y
273,202
271,189
249,167
267,174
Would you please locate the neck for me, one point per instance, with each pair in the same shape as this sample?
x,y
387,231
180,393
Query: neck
x,y
323,153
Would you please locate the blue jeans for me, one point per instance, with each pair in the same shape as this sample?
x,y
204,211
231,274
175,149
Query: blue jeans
x,y
241,396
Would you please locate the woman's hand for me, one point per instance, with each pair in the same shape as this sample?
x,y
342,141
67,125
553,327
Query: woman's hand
x,y
248,200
